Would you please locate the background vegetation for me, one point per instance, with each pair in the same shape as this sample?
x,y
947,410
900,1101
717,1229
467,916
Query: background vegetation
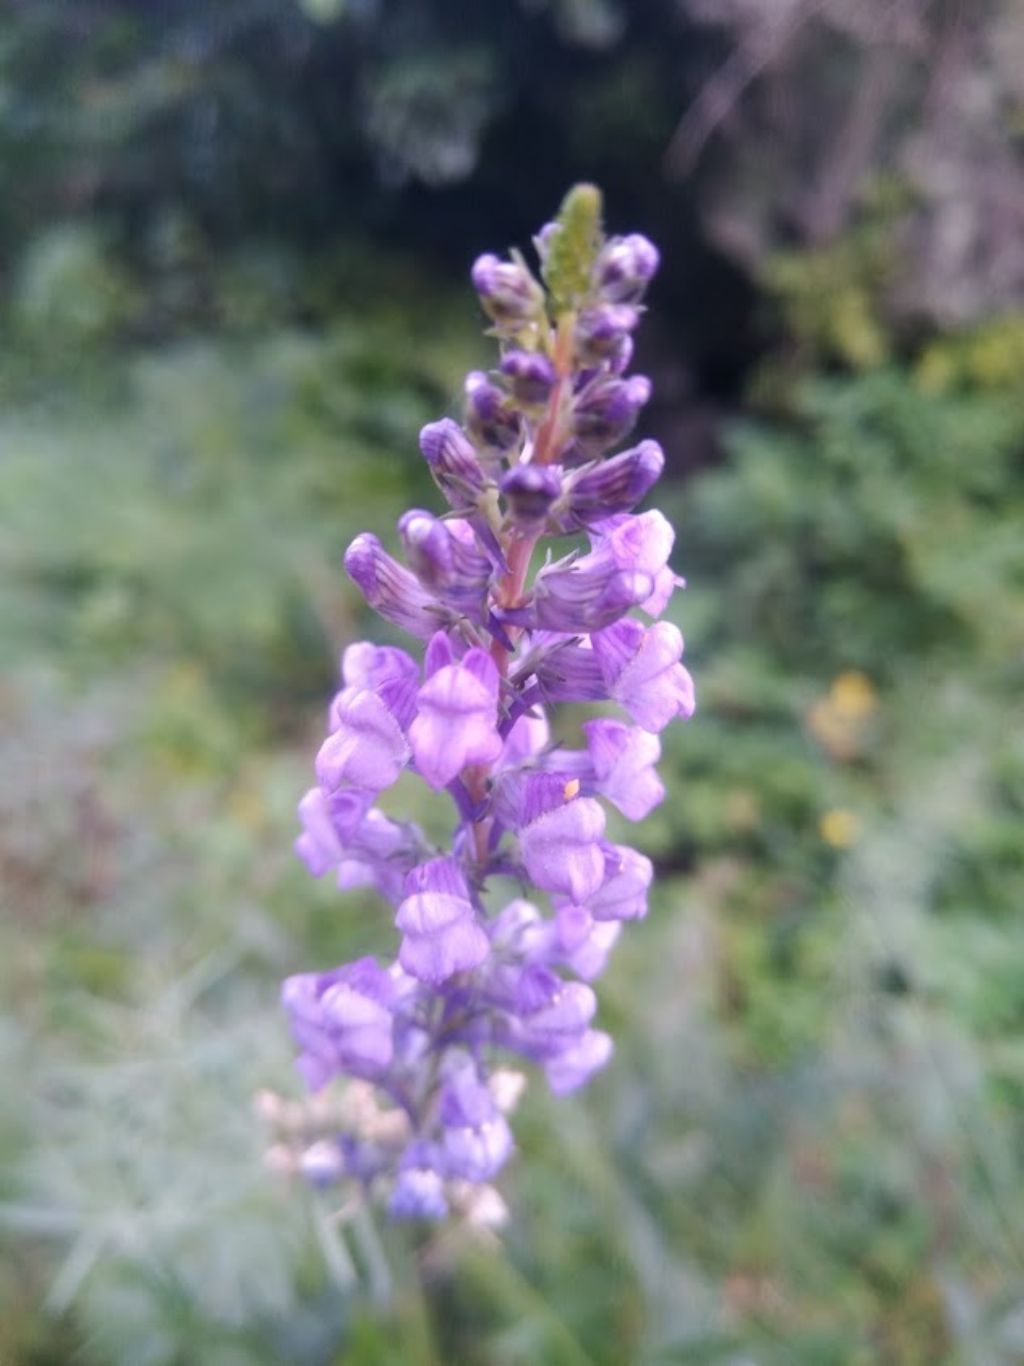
x,y
235,239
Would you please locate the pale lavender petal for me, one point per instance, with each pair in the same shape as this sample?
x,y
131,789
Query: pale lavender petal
x,y
456,723
574,1067
642,670
624,758
623,894
366,749
560,846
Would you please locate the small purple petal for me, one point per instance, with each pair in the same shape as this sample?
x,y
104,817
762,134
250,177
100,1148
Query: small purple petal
x,y
366,748
571,1069
625,267
453,463
624,758
623,894
438,923
390,589
642,671
457,719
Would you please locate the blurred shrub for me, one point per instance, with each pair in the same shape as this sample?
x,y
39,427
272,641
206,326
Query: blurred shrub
x,y
69,293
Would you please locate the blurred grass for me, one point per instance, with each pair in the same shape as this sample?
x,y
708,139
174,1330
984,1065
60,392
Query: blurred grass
x,y
809,1146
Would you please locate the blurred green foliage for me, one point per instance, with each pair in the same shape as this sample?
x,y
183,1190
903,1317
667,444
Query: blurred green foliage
x,y
810,1146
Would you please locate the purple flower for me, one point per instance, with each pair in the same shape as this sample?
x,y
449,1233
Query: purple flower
x,y
623,759
440,933
582,942
507,290
477,1141
419,1187
382,669
390,589
560,836
457,715
491,420
328,824
602,330
447,559
615,486
570,1070
530,491
605,412
341,1020
453,463
626,267
642,671
378,854
553,1016
366,748
583,593
623,893
531,376
510,626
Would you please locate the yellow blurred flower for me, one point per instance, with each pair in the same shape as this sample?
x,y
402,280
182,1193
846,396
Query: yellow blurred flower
x,y
839,721
839,827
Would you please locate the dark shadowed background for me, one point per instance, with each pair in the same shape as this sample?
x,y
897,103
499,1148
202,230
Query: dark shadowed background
x,y
235,242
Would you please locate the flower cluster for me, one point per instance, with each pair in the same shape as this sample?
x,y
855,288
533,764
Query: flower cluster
x,y
476,980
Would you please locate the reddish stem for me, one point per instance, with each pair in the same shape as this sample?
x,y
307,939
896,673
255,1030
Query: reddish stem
x,y
510,588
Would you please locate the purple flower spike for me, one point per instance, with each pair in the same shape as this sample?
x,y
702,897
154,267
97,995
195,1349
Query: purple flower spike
x,y
456,723
418,1043
642,671
623,758
439,926
560,837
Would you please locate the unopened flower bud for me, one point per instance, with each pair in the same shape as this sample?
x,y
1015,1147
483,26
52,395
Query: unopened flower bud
x,y
625,268
613,486
507,290
490,419
585,593
600,330
543,240
389,588
445,557
531,377
606,412
453,463
530,491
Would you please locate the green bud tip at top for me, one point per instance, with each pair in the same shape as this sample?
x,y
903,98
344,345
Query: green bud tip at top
x,y
573,246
